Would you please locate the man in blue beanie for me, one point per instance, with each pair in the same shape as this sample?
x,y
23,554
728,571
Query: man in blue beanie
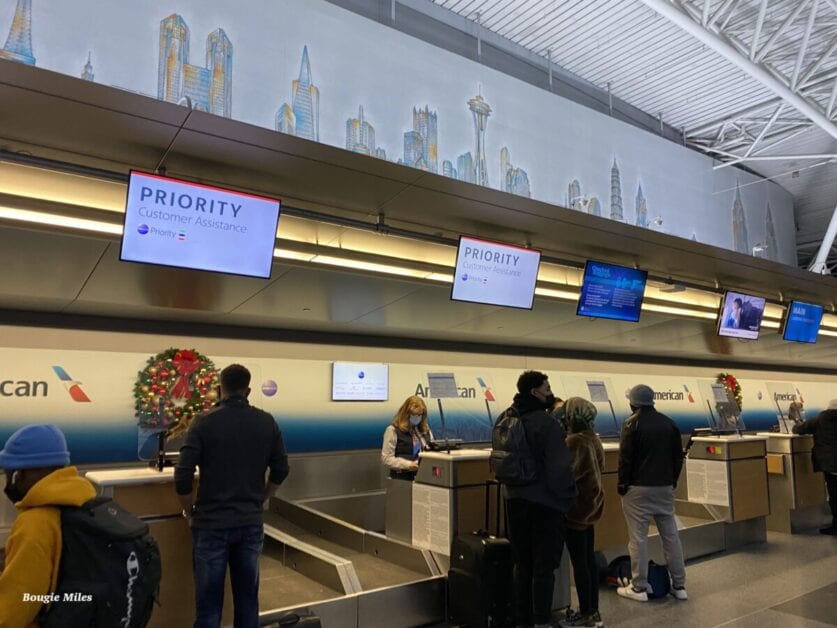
x,y
39,481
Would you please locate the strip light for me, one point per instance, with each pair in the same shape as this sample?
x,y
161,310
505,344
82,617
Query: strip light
x,y
67,222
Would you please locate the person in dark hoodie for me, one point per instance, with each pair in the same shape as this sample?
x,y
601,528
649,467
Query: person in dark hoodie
x,y
650,460
536,511
823,427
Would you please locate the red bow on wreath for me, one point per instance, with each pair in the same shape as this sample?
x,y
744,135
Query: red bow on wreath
x,y
731,382
186,363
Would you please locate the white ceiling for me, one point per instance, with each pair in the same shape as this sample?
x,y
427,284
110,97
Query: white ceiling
x,y
655,65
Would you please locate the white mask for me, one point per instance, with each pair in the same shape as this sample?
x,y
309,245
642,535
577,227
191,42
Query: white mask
x,y
415,419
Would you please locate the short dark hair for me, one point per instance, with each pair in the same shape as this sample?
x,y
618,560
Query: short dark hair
x,y
529,380
235,378
737,300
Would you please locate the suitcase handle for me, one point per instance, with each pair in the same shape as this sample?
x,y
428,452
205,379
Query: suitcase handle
x,y
499,485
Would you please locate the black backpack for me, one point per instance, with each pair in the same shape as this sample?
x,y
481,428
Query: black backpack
x,y
511,458
110,569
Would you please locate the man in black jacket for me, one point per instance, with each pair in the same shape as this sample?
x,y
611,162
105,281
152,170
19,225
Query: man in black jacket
x,y
824,429
536,511
234,445
650,459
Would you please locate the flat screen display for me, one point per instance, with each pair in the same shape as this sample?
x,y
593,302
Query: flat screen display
x,y
802,322
495,274
353,381
740,315
613,292
177,223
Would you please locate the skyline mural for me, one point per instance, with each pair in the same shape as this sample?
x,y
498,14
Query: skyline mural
x,y
466,122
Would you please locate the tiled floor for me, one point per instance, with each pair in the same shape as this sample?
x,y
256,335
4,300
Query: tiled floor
x,y
788,582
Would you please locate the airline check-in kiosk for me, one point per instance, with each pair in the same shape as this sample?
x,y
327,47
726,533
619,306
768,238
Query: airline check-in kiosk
x,y
728,474
797,493
611,529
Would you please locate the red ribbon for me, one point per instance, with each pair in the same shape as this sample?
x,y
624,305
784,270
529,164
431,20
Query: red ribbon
x,y
186,363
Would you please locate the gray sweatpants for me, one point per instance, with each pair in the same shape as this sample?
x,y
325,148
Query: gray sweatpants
x,y
640,504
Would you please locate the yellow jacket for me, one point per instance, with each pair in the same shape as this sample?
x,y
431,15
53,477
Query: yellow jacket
x,y
33,549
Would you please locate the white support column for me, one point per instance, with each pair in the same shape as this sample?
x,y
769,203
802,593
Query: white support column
x,y
819,264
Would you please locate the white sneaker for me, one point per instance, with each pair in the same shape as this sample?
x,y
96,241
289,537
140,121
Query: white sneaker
x,y
632,594
680,593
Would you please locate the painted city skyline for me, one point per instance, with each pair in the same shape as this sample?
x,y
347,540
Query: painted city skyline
x,y
466,122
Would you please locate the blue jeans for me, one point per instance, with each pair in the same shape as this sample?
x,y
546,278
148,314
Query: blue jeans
x,y
211,551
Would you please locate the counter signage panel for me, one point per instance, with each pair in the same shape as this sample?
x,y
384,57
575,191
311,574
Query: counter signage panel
x,y
802,322
740,315
187,225
495,274
613,292
352,381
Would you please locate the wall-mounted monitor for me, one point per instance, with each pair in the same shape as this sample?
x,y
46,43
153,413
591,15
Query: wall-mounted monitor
x,y
610,291
169,222
740,315
354,381
495,274
802,322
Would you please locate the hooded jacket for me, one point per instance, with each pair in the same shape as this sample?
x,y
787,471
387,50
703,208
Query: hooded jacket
x,y
33,549
555,486
824,429
587,464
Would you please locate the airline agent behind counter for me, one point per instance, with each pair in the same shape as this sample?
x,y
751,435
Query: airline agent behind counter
x,y
405,437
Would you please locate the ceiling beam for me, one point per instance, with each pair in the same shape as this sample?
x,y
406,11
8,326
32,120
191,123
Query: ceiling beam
x,y
756,71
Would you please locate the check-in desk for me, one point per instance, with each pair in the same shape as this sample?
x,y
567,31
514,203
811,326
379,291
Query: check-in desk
x,y
728,474
797,493
611,530
150,495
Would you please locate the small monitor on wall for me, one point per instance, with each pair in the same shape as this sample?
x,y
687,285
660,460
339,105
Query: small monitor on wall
x,y
802,322
169,222
495,274
354,381
740,315
614,292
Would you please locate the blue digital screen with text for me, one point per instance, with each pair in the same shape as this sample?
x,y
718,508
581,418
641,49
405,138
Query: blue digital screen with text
x,y
802,323
613,292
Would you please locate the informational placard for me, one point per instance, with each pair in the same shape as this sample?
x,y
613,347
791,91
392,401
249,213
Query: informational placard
x,y
740,315
431,518
353,381
802,322
598,392
495,274
169,222
719,393
613,292
442,385
707,482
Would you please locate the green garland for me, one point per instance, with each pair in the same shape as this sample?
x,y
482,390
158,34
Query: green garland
x,y
174,387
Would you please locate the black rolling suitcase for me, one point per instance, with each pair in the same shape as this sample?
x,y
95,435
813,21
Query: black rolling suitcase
x,y
480,577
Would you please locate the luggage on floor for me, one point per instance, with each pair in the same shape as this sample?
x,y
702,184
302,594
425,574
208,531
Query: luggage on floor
x,y
296,620
480,576
659,581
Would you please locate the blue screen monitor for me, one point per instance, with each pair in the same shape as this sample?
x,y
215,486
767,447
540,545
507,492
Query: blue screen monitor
x,y
613,292
740,315
170,222
802,322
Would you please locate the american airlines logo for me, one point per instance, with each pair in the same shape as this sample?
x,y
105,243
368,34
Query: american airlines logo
x,y
73,386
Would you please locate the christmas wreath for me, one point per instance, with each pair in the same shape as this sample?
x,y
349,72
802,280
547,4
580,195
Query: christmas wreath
x,y
732,387
174,386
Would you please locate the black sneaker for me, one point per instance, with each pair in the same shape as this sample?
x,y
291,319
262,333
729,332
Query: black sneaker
x,y
598,619
587,621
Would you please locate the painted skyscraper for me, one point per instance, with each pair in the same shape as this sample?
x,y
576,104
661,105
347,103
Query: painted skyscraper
x,y
421,145
739,224
770,233
414,150
481,111
360,135
448,170
209,88
514,180
465,168
19,42
306,101
616,212
285,119
641,208
574,195
87,73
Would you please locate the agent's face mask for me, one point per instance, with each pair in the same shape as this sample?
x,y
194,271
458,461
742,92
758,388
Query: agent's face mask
x,y
12,490
415,419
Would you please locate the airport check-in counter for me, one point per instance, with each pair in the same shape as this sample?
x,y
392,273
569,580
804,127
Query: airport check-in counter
x,y
149,494
797,492
611,530
728,475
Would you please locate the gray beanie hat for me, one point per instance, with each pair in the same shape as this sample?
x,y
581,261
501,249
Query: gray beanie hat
x,y
641,395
